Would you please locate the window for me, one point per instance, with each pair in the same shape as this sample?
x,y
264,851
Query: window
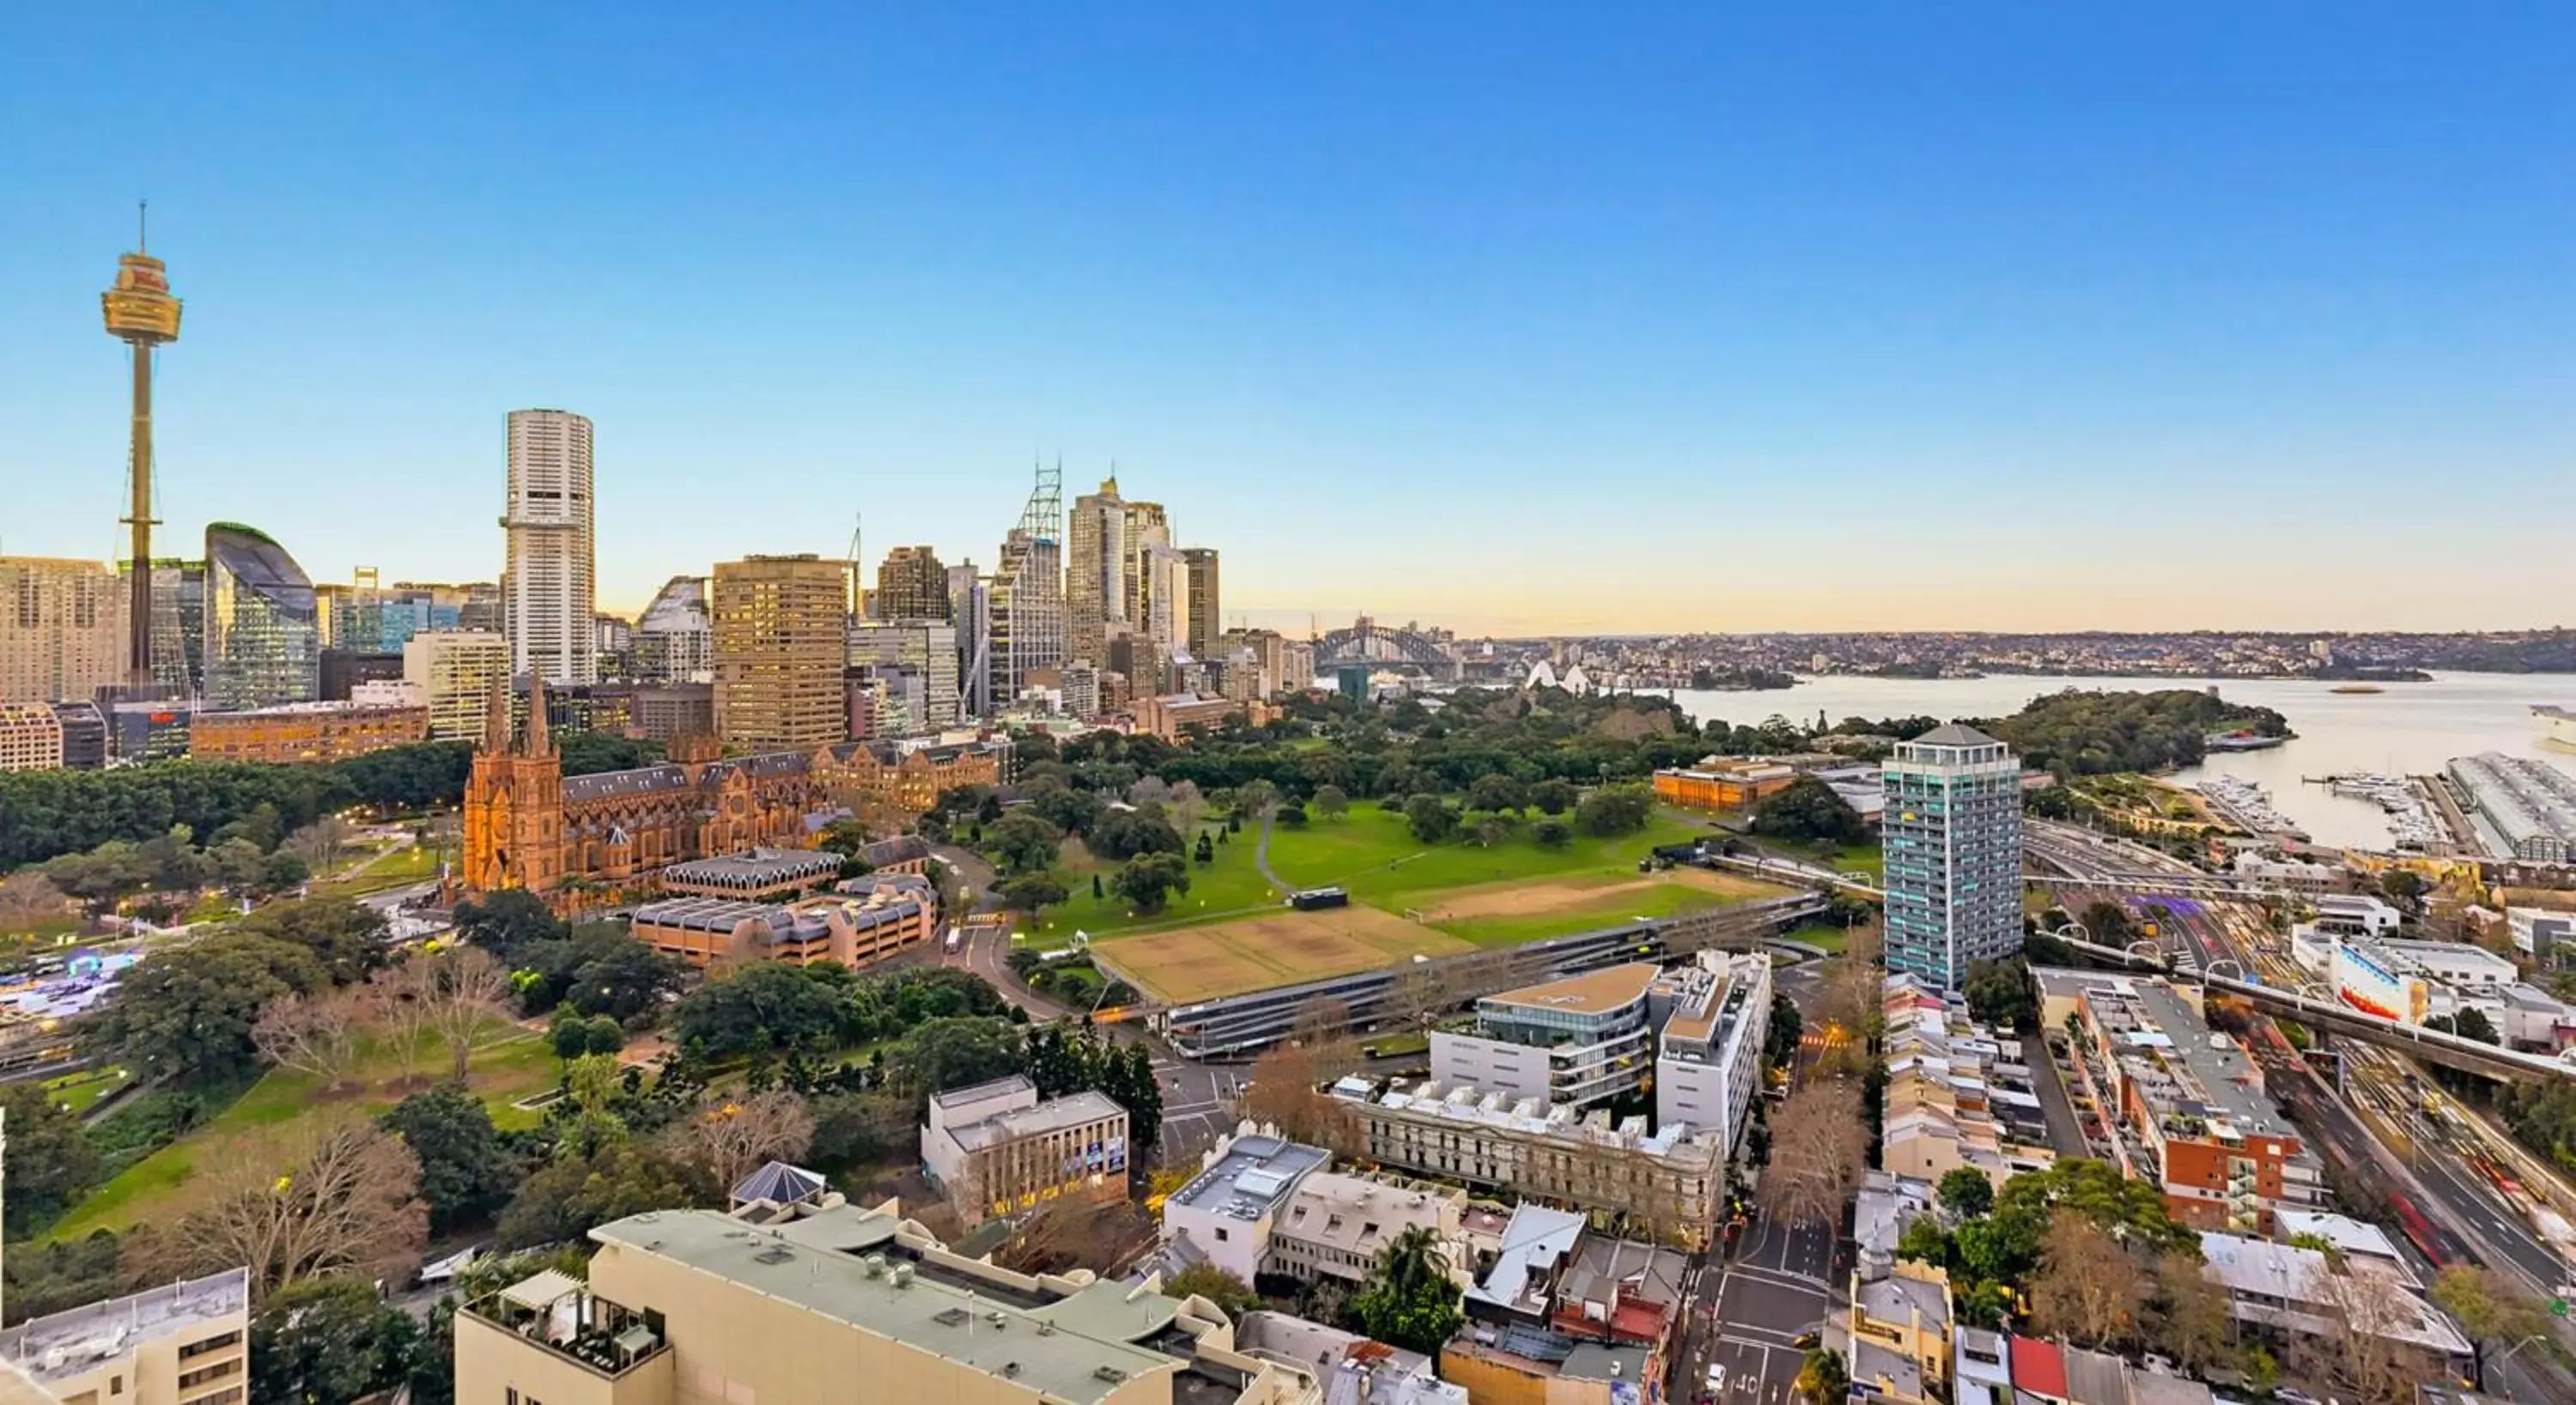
x,y
1220,1234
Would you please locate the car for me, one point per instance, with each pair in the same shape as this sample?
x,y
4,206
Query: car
x,y
1805,1340
1717,1375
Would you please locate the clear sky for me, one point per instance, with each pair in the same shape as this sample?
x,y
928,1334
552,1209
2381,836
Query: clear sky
x,y
1517,318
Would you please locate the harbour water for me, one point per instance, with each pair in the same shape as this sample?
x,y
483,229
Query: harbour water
x,y
2409,729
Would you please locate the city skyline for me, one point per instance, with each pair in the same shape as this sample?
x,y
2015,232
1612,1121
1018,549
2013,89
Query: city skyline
x,y
1526,330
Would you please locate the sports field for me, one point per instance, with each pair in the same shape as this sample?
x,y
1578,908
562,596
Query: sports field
x,y
1502,914
1254,953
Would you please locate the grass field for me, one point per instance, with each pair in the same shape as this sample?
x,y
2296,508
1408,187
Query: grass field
x,y
1229,887
1504,914
1281,948
1370,852
500,1074
79,1092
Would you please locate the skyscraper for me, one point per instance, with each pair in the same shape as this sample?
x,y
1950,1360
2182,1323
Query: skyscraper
x,y
911,585
970,608
1204,616
263,632
1027,616
1147,527
674,638
1098,565
1165,574
779,645
548,590
141,313
63,629
456,670
1952,841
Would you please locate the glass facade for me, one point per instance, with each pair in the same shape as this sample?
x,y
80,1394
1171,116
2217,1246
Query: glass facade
x,y
262,631
1952,842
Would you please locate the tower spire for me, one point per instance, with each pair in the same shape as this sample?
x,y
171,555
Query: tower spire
x,y
496,714
538,745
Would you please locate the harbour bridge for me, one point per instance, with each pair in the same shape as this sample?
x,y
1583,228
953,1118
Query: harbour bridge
x,y
1367,644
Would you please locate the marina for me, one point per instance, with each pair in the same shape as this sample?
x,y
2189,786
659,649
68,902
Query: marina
x,y
2415,825
2247,806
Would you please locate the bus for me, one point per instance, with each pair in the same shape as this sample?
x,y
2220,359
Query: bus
x,y
1311,899
956,940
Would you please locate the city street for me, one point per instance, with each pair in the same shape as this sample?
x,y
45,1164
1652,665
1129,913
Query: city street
x,y
1775,1290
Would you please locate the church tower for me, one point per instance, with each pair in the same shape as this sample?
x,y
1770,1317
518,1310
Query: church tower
x,y
514,823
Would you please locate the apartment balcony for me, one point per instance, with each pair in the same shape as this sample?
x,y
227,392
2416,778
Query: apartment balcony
x,y
553,1313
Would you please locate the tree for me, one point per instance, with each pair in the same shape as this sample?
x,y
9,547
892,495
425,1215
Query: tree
x,y
2491,1308
1822,1378
1819,1148
1024,841
1781,1034
1552,834
52,1162
508,922
2000,994
1410,1300
184,1014
1496,790
564,1202
1254,798
1430,818
732,1138
321,843
346,936
1966,1193
2362,1355
1150,879
1282,1093
2109,924
2191,1314
336,1196
468,997
1205,850
1330,801
1232,1295
2468,1022
1033,893
1614,810
465,1172
27,898
1924,1241
855,1127
316,1035
1808,811
328,1341
1133,833
2402,886
1127,1078
954,1052
2088,1287
401,1004
1553,796
763,1009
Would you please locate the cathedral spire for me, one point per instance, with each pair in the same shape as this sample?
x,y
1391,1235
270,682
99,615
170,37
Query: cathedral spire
x,y
537,743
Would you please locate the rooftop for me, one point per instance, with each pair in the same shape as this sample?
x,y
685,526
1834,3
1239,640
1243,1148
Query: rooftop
x,y
759,867
1252,1178
1052,1115
72,1342
1534,1244
1593,993
1049,1352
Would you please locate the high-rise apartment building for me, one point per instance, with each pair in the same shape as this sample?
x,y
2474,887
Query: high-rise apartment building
x,y
779,649
1204,614
262,628
1166,616
1952,839
1026,617
1099,567
911,585
548,589
675,639
455,670
62,628
928,647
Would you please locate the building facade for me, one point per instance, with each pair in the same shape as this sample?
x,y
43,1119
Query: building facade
x,y
456,671
1574,1042
675,638
31,737
1206,607
912,584
305,733
923,646
997,1148
779,650
263,643
859,923
1708,1057
62,629
1098,565
548,589
1951,834
184,1343
1225,1214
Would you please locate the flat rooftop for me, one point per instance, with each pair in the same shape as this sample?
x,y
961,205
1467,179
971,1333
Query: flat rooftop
x,y
1592,993
72,1342
1255,1175
1053,1115
918,1312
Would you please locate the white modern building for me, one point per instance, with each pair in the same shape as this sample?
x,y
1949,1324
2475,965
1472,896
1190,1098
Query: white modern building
x,y
1225,1215
1951,834
675,640
1708,1063
998,1147
548,590
1570,1042
454,670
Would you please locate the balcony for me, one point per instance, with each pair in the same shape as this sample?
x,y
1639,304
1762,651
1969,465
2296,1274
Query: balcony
x,y
554,1312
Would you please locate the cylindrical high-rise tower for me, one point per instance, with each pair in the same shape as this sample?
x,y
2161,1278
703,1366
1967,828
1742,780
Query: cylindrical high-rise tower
x,y
548,594
141,313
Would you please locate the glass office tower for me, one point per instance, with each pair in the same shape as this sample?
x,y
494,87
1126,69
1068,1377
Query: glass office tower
x,y
263,634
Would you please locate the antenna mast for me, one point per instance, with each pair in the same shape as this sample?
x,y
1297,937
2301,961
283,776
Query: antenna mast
x,y
858,592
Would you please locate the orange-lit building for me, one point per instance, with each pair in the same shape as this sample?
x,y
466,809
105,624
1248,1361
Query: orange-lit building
x,y
1169,715
527,825
298,733
1722,783
863,921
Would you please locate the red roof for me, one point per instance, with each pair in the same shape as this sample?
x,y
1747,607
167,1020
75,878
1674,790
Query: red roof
x,y
2038,1367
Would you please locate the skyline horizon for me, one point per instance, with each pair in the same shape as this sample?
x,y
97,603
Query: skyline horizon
x,y
1511,322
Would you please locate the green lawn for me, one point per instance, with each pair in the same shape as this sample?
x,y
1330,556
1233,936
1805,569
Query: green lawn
x,y
1373,854
79,1092
1832,939
401,869
1842,858
1667,900
500,1074
1229,887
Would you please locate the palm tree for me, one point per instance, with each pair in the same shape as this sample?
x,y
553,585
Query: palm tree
x,y
1412,1262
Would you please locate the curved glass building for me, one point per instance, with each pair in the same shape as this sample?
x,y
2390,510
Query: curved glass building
x,y
263,637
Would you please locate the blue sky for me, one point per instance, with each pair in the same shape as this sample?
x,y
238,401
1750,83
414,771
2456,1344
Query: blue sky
x,y
1516,318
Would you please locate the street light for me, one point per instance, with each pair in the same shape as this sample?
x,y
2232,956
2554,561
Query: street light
x,y
2508,1356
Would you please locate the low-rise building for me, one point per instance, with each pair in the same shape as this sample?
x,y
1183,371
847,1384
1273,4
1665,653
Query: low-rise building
x,y
1225,1215
185,1343
1170,715
1564,1314
1723,782
2294,875
1574,1041
2187,1107
2541,934
305,732
861,922
2415,981
1899,1328
1663,1185
2356,915
754,873
2299,1291
1715,1014
31,737
1354,1369
1335,1225
1957,1093
997,1147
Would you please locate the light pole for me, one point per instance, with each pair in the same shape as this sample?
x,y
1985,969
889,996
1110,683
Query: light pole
x,y
2508,1356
